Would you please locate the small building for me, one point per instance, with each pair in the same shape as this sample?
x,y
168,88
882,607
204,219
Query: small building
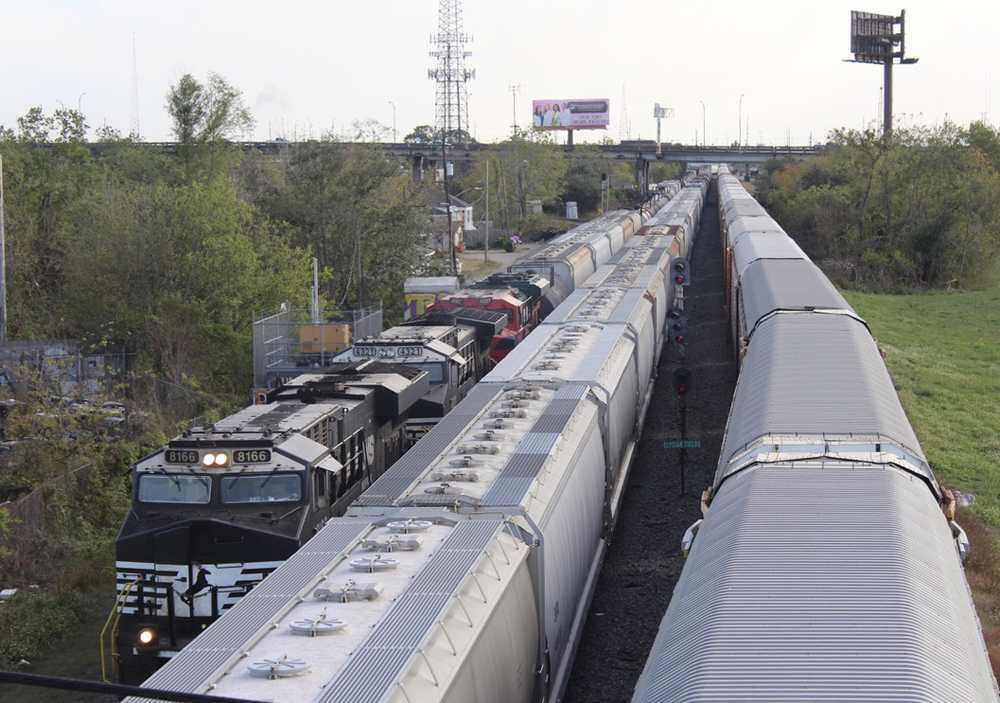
x,y
461,219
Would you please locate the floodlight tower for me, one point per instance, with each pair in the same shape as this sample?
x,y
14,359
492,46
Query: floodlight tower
x,y
874,40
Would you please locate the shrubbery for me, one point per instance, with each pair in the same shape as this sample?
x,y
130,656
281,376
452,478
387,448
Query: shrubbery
x,y
920,209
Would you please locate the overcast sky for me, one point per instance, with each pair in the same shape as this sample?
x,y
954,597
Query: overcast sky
x,y
305,68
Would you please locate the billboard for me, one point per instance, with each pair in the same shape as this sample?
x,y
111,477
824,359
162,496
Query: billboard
x,y
570,114
873,37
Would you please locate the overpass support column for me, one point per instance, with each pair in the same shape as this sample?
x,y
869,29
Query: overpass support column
x,y
642,174
417,167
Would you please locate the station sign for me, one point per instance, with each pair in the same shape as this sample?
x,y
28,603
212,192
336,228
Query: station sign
x,y
682,444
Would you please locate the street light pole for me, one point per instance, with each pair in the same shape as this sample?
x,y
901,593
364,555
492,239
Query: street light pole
x,y
703,134
393,121
739,129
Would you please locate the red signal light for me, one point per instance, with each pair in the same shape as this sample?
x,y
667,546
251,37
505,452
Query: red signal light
x,y
681,380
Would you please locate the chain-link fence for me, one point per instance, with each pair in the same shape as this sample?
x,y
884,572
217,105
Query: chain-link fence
x,y
288,342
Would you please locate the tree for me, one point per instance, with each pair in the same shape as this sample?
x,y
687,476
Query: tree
x,y
44,175
422,134
354,210
918,209
583,179
204,117
179,270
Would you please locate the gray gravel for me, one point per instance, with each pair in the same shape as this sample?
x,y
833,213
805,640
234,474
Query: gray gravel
x,y
644,561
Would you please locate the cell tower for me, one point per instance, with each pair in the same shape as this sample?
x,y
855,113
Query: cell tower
x,y
451,75
134,126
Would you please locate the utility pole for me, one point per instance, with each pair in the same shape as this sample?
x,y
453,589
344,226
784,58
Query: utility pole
x,y
703,132
874,39
486,242
3,266
739,129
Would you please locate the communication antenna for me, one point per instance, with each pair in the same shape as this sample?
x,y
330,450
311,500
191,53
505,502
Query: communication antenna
x,y
874,39
514,90
452,100
133,131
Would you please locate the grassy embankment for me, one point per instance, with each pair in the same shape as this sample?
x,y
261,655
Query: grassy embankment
x,y
943,352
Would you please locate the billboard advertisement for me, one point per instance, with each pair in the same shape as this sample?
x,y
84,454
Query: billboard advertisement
x,y
570,114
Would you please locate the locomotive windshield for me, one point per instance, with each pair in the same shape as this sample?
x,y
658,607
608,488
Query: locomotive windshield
x,y
261,488
435,372
167,488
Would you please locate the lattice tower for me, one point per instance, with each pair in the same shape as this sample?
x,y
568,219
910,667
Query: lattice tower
x,y
452,99
624,126
134,112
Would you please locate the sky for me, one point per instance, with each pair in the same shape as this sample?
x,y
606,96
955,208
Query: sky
x,y
772,70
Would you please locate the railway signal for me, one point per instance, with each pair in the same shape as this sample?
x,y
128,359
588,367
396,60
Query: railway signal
x,y
679,270
682,380
677,325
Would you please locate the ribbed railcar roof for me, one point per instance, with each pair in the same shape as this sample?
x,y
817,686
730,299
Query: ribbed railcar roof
x,y
820,583
750,223
535,449
765,245
369,673
786,284
393,484
742,207
256,611
814,375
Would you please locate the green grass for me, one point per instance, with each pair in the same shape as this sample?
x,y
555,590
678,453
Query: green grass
x,y
943,353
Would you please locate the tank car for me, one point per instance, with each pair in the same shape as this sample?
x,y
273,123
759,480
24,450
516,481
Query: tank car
x,y
465,572
828,565
222,505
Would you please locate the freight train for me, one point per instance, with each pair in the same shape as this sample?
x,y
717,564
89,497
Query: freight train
x,y
222,505
193,543
451,346
518,295
533,286
828,565
464,573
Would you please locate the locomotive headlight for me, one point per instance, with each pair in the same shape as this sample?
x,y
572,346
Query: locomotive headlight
x,y
147,640
215,459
